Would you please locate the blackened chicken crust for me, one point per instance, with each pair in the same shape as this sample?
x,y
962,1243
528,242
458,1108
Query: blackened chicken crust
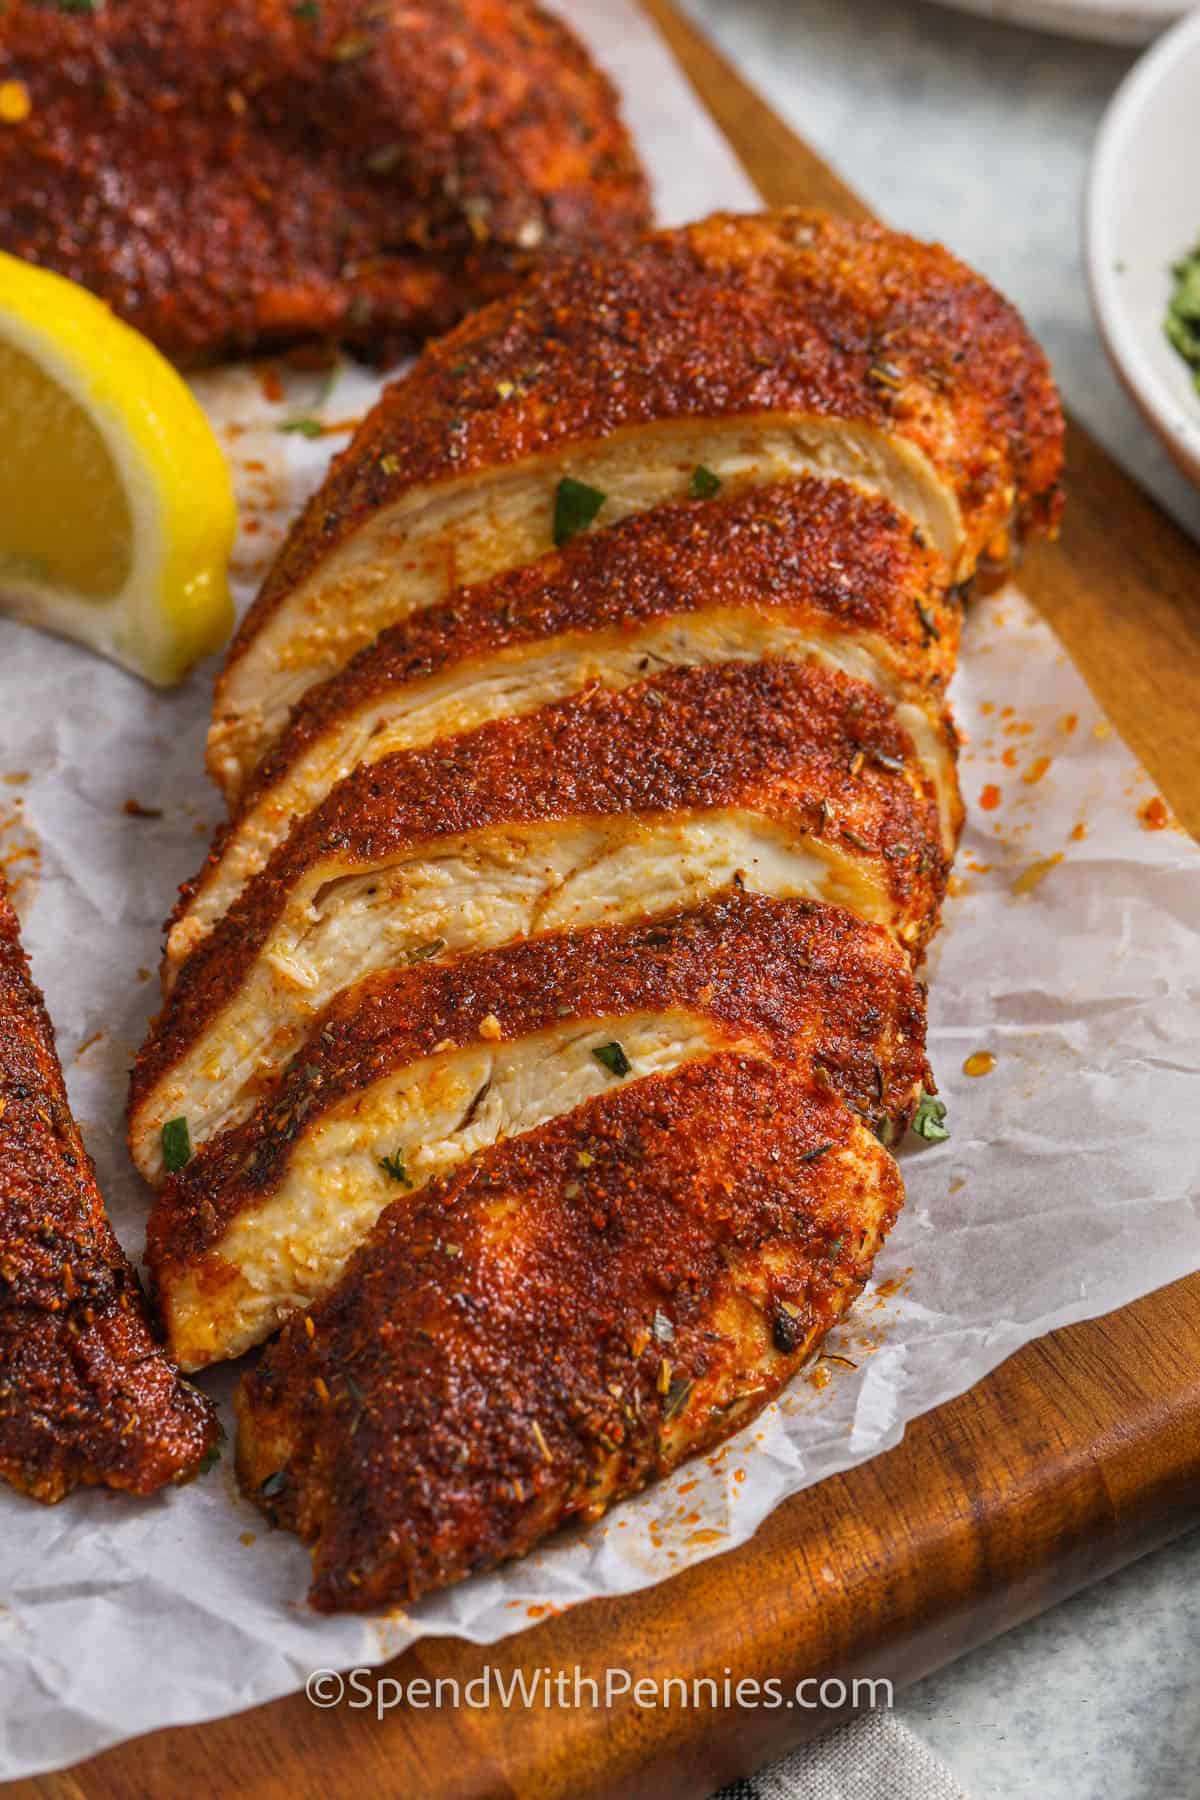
x,y
566,1318
823,552
817,986
790,312
86,1396
789,741
233,174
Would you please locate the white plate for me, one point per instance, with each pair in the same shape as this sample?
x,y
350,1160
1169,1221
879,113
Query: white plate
x,y
1143,214
1106,21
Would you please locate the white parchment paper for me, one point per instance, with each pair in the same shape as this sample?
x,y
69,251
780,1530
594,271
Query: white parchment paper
x,y
1070,1185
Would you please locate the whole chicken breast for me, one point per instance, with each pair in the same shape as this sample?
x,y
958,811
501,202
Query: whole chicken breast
x,y
86,1395
236,174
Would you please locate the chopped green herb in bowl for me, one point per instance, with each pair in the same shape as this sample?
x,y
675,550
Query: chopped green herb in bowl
x,y
1183,313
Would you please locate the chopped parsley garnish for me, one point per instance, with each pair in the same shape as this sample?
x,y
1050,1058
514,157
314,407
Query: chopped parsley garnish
x,y
613,1057
211,1455
1183,313
309,428
274,1484
787,1328
929,1118
79,6
928,623
704,484
349,49
176,1145
885,374
307,9
384,160
575,506
393,1167
676,1395
893,764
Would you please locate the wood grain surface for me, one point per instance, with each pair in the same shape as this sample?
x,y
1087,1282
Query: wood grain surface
x,y
1078,1454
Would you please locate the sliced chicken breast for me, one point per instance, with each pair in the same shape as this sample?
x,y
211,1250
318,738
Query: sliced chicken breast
x,y
568,1316
421,1069
542,1013
86,1395
790,777
799,569
753,348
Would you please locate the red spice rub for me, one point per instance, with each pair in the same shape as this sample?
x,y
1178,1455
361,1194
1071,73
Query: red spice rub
x,y
85,1394
564,1319
237,173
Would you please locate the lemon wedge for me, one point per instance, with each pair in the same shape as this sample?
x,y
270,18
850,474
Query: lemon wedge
x,y
116,507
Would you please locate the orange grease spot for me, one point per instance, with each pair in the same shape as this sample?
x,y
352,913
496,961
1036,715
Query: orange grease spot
x,y
1036,873
989,799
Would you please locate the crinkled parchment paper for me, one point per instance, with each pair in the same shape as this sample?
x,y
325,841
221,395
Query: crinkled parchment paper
x,y
1069,1186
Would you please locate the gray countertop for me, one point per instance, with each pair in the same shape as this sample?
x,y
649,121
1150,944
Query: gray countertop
x,y
980,135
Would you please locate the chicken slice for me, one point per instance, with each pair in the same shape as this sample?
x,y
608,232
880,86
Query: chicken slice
x,y
86,1396
421,1069
797,569
790,777
568,1316
756,348
231,174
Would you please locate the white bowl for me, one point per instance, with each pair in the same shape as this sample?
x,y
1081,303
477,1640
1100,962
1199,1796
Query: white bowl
x,y
1104,21
1142,215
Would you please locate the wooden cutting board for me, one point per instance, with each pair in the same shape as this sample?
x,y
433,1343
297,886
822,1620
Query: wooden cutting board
x,y
1078,1454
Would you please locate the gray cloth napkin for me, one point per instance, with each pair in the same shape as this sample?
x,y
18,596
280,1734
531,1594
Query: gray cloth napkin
x,y
872,1758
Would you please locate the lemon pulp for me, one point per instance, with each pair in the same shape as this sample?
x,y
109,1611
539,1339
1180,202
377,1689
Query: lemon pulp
x,y
64,516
